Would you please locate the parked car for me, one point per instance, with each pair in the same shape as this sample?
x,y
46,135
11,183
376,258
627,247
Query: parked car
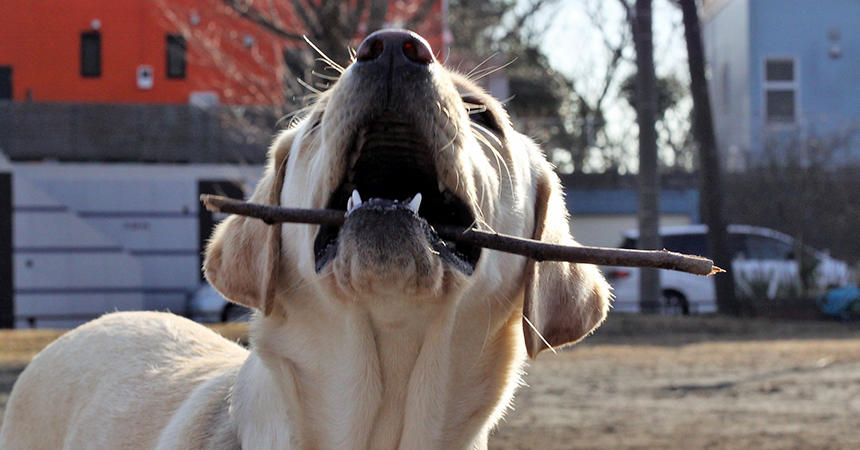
x,y
764,265
209,306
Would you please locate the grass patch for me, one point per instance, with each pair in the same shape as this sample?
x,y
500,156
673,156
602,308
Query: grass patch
x,y
20,346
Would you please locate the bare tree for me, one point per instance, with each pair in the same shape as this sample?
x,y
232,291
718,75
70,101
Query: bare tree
x,y
639,17
711,181
334,28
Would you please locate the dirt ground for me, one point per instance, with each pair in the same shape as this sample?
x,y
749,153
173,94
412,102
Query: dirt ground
x,y
655,382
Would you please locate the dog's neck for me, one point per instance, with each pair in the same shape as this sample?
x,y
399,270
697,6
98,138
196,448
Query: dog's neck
x,y
382,377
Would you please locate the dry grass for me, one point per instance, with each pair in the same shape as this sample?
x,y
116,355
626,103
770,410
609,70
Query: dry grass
x,y
20,346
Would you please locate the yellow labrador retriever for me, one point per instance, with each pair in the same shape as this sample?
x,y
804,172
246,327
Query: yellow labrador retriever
x,y
377,334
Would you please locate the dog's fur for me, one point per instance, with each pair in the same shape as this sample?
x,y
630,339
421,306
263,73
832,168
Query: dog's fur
x,y
386,347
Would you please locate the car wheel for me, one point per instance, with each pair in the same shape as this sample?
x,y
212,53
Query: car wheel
x,y
675,304
235,313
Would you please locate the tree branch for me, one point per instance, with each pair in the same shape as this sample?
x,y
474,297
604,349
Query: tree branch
x,y
247,11
539,251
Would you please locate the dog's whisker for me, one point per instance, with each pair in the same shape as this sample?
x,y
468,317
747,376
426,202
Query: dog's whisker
x,y
501,163
471,72
324,76
323,56
489,72
538,333
308,86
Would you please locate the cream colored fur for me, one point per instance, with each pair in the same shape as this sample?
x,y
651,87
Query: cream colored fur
x,y
369,353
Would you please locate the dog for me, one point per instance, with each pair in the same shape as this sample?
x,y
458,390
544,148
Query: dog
x,y
374,334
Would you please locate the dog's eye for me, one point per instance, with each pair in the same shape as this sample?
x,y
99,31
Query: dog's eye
x,y
480,114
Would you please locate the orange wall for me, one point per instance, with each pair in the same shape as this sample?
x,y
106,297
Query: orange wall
x,y
41,41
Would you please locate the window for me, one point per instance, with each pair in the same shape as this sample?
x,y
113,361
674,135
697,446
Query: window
x,y
175,56
691,244
765,248
91,54
5,82
780,90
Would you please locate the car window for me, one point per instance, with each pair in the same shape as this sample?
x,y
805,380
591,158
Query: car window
x,y
691,244
760,247
629,244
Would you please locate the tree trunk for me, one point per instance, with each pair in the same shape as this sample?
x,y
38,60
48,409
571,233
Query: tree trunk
x,y
646,113
711,187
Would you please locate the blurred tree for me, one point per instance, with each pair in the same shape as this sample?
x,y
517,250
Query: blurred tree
x,y
565,114
810,192
639,16
711,185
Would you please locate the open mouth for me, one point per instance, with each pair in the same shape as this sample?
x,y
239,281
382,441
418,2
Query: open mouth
x,y
392,169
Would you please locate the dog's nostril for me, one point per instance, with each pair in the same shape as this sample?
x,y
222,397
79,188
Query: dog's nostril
x,y
404,44
417,51
370,49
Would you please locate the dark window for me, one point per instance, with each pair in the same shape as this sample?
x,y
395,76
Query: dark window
x,y
629,243
175,56
765,248
206,220
91,54
691,244
5,83
780,90
779,70
780,105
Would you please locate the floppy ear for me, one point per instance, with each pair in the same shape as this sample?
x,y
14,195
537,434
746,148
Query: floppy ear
x,y
243,256
563,301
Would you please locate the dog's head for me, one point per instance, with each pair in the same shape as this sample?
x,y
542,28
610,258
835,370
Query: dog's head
x,y
403,145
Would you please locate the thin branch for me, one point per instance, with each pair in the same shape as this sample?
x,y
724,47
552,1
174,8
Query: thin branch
x,y
247,11
539,251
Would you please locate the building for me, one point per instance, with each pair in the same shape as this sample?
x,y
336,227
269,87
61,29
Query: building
x,y
783,77
114,117
604,206
150,51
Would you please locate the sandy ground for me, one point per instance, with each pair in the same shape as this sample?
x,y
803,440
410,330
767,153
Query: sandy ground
x,y
653,382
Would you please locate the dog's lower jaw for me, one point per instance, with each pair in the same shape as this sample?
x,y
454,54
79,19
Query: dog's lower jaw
x,y
377,380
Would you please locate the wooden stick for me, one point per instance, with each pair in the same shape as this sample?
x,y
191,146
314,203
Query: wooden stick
x,y
539,251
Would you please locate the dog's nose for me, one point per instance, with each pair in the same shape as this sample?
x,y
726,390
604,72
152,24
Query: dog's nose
x,y
396,46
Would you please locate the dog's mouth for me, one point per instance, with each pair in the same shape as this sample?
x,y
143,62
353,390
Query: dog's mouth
x,y
392,171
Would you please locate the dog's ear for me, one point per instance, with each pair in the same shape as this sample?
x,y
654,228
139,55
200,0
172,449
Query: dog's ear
x,y
563,301
243,258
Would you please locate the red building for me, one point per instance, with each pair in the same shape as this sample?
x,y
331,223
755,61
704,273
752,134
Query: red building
x,y
153,51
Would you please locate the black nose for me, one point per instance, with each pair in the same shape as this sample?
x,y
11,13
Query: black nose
x,y
398,45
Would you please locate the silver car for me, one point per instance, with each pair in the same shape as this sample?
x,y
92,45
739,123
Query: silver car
x,y
764,265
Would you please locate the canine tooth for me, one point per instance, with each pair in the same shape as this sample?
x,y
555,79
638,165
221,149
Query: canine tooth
x,y
354,201
415,203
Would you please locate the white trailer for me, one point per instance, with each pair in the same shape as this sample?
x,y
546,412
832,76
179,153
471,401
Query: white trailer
x,y
89,238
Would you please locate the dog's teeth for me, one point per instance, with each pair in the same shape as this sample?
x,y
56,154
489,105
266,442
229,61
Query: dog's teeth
x,y
441,187
415,203
354,201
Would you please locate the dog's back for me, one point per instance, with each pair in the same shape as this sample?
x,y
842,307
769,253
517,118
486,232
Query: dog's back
x,y
114,382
